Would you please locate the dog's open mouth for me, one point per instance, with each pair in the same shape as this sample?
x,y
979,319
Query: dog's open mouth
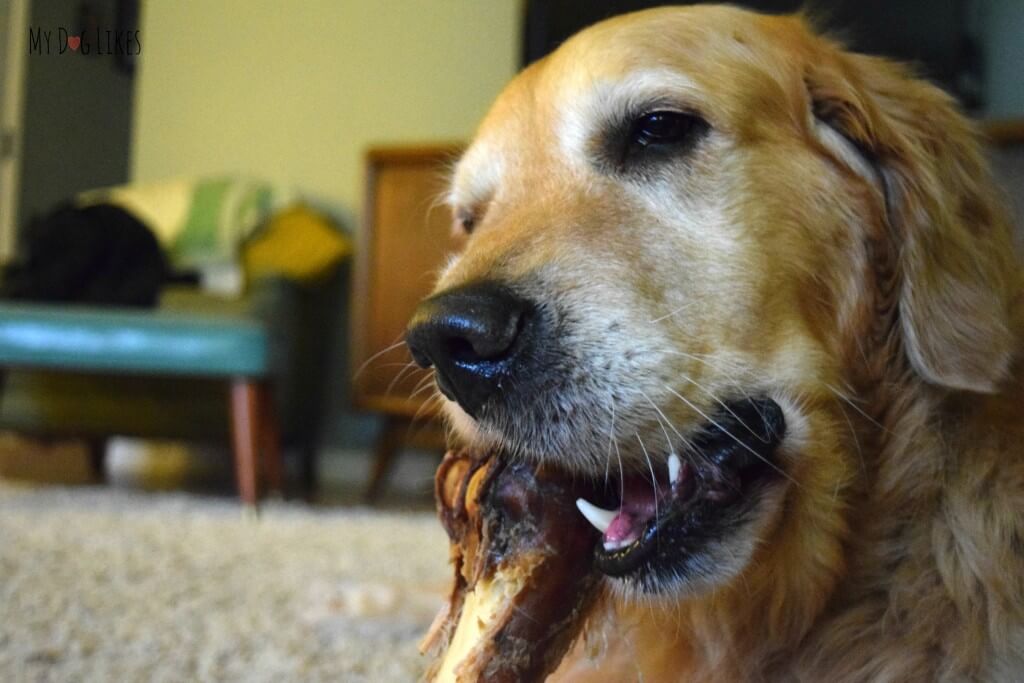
x,y
527,568
659,522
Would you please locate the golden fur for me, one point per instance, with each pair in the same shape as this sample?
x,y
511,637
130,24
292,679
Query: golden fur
x,y
867,281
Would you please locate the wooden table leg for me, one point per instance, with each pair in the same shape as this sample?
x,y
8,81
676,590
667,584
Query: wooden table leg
x,y
389,442
245,437
308,453
270,443
97,449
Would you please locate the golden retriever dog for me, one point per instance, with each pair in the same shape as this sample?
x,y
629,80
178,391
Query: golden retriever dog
x,y
760,291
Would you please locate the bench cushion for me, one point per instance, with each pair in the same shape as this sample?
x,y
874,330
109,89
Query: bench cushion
x,y
118,340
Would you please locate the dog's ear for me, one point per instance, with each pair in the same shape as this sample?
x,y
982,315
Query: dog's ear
x,y
954,245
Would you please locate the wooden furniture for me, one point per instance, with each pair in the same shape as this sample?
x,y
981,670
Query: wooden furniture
x,y
405,239
255,439
1006,132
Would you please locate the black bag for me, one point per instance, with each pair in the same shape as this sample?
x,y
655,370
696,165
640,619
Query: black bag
x,y
99,255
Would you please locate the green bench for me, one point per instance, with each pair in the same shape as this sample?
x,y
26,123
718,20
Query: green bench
x,y
231,347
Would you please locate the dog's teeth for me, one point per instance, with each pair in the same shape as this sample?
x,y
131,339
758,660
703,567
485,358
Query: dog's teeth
x,y
599,517
621,543
675,466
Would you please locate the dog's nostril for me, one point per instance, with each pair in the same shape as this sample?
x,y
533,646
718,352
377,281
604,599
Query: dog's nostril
x,y
467,325
467,334
461,350
483,340
420,358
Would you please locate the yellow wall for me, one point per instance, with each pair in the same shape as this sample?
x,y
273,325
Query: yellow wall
x,y
294,91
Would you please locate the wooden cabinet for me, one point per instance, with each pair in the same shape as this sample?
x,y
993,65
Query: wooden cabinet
x,y
405,240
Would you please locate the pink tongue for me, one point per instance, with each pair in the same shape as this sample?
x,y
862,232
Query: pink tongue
x,y
638,507
623,527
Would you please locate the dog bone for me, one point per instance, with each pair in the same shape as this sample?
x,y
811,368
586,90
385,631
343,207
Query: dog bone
x,y
523,572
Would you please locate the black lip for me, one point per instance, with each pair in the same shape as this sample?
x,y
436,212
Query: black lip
x,y
733,459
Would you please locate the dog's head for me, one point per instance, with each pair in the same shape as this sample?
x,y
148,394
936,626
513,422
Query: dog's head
x,y
693,236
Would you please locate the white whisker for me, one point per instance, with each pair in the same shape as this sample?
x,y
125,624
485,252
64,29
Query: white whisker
x,y
856,441
411,365
654,479
376,356
687,443
672,313
853,405
437,399
659,412
622,473
731,435
423,386
727,409
611,440
720,366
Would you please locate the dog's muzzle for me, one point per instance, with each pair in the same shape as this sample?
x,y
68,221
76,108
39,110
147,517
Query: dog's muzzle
x,y
476,336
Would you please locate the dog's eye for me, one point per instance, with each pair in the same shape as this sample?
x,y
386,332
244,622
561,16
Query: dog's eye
x,y
643,140
464,222
661,128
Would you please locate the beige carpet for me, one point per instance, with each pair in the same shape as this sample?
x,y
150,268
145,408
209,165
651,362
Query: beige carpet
x,y
98,584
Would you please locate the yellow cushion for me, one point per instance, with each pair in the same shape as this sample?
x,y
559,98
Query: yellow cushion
x,y
297,243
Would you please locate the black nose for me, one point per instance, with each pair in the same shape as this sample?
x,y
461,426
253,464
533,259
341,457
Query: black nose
x,y
472,336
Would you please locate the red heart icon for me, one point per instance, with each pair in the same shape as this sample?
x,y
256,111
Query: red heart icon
x,y
74,41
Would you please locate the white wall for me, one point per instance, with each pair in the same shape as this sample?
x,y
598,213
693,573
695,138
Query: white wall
x,y
295,91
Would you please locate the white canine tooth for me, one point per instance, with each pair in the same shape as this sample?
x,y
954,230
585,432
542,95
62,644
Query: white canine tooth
x,y
621,543
675,466
599,517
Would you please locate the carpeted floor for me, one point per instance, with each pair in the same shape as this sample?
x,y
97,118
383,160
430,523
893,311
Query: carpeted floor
x,y
98,584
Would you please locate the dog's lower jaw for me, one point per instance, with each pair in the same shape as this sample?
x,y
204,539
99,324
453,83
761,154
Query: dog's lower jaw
x,y
723,562
759,609
764,594
691,532
708,518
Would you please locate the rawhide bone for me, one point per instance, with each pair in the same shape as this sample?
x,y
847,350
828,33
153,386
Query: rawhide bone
x,y
524,580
